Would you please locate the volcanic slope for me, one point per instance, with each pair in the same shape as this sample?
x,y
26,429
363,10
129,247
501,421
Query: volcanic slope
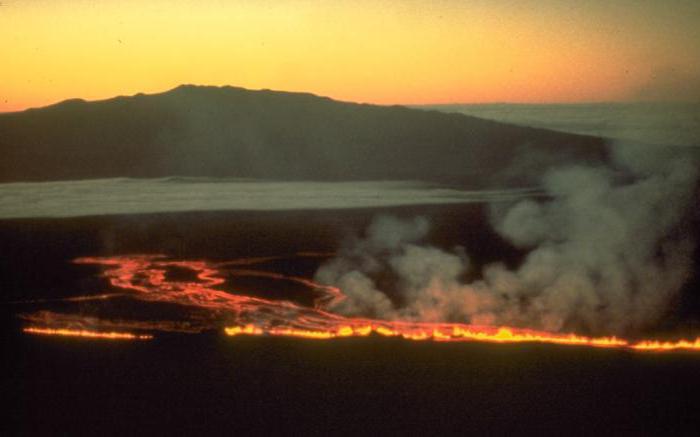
x,y
203,131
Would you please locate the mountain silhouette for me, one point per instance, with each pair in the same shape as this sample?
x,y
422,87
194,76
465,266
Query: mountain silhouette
x,y
233,132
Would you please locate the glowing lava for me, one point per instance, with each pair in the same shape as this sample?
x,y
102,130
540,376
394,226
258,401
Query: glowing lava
x,y
653,345
435,332
145,278
89,334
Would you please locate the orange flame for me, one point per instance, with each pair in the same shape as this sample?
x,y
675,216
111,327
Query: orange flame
x,y
652,345
453,333
86,333
145,277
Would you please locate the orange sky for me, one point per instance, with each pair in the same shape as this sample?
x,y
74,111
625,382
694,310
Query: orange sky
x,y
376,51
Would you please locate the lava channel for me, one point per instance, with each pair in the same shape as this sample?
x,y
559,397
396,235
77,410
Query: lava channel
x,y
145,278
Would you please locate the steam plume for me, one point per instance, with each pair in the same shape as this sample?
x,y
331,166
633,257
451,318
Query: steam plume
x,y
607,250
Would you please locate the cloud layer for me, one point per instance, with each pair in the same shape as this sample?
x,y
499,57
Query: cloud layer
x,y
137,196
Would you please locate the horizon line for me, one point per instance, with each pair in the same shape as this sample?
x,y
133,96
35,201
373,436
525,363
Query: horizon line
x,y
409,105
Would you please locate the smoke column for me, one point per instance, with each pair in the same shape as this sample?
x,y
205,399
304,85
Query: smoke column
x,y
607,250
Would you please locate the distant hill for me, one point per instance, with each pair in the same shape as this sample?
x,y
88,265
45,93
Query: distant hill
x,y
234,132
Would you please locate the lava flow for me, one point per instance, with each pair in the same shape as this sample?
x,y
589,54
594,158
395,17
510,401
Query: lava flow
x,y
86,333
147,278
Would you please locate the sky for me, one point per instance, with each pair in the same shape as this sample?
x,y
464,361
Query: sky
x,y
375,51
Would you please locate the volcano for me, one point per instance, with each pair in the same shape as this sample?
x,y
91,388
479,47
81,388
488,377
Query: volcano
x,y
206,131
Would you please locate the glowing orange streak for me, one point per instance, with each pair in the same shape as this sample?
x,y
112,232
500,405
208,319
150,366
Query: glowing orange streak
x,y
88,323
657,346
68,299
456,333
330,293
145,277
86,333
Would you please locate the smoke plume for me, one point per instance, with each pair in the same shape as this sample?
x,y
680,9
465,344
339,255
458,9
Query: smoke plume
x,y
607,249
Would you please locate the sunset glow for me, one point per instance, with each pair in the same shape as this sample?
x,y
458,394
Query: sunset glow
x,y
381,52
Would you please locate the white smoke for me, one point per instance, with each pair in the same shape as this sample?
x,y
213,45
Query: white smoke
x,y
606,254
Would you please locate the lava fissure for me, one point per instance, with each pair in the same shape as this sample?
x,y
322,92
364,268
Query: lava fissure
x,y
144,278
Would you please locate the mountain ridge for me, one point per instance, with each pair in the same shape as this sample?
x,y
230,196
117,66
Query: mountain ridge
x,y
230,131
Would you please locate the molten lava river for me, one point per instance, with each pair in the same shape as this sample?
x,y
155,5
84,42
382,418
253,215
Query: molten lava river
x,y
207,306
